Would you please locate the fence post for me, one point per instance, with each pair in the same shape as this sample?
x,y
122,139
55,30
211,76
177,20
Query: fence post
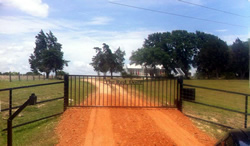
x,y
10,102
179,103
10,76
9,122
66,92
9,126
246,106
19,76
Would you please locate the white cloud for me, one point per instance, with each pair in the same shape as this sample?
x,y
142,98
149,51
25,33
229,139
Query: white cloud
x,y
221,30
31,7
231,38
18,25
99,21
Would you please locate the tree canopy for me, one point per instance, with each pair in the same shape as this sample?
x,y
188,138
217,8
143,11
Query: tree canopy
x,y
47,56
240,57
213,55
105,61
171,50
206,52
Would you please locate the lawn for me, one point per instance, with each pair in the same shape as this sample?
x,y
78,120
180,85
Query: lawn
x,y
221,99
38,133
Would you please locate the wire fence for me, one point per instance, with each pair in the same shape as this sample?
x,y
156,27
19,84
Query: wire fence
x,y
24,77
224,108
49,104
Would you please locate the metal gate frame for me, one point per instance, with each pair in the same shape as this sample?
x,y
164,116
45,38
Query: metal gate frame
x,y
118,91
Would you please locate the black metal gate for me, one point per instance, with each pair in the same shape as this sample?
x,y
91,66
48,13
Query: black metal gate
x,y
104,91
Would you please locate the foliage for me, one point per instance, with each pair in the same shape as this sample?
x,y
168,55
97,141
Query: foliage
x,y
47,55
212,58
175,49
240,58
206,52
105,60
61,73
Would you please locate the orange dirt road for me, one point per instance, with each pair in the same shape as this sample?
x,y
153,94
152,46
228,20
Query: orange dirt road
x,y
102,126
120,126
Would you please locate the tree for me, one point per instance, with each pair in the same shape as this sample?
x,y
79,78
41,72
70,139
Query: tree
x,y
149,56
212,57
240,58
105,60
170,49
47,55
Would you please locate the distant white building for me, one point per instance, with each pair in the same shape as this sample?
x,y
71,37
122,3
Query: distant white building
x,y
142,71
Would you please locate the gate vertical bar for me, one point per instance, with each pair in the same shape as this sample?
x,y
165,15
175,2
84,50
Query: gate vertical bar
x,y
66,92
159,89
87,90
246,106
91,90
179,105
75,92
99,90
83,94
143,92
9,128
162,90
79,87
71,98
95,91
154,90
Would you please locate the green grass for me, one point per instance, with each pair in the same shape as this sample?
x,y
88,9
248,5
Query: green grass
x,y
161,92
38,133
77,94
221,99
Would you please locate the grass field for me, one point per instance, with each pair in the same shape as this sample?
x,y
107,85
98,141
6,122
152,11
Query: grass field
x,y
38,133
221,99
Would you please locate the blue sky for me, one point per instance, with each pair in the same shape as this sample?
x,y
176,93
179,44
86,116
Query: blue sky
x,y
81,25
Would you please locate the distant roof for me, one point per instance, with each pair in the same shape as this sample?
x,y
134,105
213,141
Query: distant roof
x,y
139,66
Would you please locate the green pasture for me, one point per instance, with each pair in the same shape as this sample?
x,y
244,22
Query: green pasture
x,y
221,99
38,133
77,94
159,91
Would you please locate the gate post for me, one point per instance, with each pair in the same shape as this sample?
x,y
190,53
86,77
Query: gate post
x,y
179,103
66,92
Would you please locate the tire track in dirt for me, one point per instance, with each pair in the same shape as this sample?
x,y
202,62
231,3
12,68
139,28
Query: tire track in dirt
x,y
99,129
127,126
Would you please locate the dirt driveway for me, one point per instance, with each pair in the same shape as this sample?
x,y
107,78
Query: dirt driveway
x,y
128,126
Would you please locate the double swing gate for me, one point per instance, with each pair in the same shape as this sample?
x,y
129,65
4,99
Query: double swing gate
x,y
117,91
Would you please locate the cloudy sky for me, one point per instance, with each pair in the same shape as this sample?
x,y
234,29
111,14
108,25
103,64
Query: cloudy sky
x,y
81,25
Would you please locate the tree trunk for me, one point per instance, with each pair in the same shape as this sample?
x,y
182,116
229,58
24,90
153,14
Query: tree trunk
x,y
242,74
47,75
56,74
217,73
104,75
111,74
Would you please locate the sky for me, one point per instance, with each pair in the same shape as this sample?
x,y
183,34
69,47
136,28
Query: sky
x,y
81,25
